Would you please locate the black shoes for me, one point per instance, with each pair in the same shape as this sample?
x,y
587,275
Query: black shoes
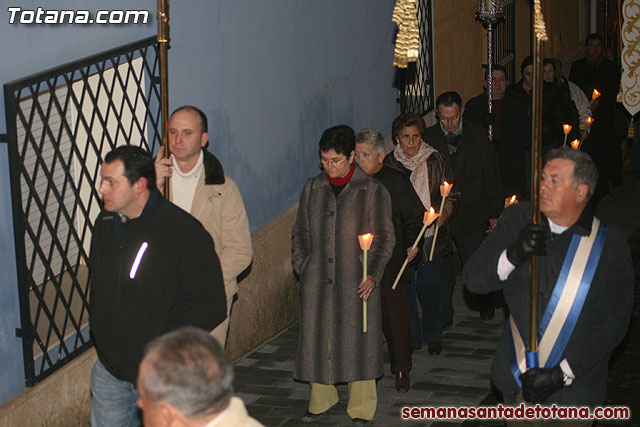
x,y
434,348
402,382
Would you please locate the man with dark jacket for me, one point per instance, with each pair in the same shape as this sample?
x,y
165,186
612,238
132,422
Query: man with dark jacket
x,y
153,269
407,213
594,71
585,293
511,132
475,176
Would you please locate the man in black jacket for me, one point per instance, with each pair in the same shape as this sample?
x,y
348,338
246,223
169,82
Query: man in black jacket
x,y
470,154
585,293
153,269
511,132
407,213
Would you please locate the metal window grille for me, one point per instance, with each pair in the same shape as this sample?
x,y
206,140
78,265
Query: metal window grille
x,y
60,123
416,81
505,40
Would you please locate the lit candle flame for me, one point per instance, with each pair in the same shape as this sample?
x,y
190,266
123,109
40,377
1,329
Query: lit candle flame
x,y
566,128
365,241
429,217
595,94
575,144
589,120
445,188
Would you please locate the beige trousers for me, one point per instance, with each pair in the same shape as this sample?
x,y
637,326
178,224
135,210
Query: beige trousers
x,y
363,399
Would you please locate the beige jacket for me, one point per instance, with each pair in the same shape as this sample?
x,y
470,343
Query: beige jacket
x,y
234,416
218,205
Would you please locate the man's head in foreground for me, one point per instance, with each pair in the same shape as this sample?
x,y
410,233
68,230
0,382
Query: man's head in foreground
x,y
185,379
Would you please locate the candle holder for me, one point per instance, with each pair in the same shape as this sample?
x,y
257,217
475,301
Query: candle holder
x,y
365,244
429,217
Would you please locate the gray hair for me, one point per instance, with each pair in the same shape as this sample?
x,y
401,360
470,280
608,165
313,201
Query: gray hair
x,y
584,171
188,369
371,137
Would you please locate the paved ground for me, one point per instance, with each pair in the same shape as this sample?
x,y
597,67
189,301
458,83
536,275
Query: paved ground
x,y
459,376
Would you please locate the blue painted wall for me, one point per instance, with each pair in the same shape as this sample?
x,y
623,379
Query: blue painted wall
x,y
271,76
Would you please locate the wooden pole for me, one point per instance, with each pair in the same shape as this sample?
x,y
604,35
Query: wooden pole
x,y
163,43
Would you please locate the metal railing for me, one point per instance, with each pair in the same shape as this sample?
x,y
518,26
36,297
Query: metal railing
x,y
505,40
60,123
415,82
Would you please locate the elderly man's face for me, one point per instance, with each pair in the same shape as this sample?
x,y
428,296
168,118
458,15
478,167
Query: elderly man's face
x,y
450,117
560,198
151,414
368,158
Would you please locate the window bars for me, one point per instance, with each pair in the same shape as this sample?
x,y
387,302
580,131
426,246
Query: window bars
x,y
416,81
505,40
60,124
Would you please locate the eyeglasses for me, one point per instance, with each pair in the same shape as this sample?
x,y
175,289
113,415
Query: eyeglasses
x,y
332,162
449,119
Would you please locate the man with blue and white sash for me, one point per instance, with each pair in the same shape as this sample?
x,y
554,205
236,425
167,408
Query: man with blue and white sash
x,y
585,294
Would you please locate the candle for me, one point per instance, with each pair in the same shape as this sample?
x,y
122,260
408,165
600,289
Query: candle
x,y
510,201
445,188
365,244
589,120
427,220
595,94
566,128
575,144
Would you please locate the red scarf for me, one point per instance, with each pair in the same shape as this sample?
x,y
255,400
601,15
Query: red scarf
x,y
344,179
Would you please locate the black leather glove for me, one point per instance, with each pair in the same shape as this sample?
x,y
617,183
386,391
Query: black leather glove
x,y
540,383
531,241
489,119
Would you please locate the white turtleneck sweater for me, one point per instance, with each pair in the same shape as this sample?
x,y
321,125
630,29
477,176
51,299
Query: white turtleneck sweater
x,y
183,185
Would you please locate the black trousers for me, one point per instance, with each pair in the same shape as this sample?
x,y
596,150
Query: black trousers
x,y
395,326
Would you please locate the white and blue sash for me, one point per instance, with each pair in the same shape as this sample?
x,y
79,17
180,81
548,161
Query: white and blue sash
x,y
565,304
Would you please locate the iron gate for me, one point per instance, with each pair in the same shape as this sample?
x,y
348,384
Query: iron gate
x,y
60,123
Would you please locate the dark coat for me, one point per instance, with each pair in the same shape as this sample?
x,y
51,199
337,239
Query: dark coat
x,y
407,214
178,282
327,257
439,171
604,77
475,176
513,126
604,317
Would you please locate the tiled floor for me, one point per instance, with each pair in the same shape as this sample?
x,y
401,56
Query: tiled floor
x,y
459,376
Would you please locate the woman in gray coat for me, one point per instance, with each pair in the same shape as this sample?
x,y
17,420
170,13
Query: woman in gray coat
x,y
335,207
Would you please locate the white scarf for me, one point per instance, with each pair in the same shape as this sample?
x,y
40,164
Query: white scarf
x,y
419,178
183,184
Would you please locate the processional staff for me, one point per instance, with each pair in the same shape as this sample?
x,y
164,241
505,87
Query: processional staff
x,y
540,35
163,44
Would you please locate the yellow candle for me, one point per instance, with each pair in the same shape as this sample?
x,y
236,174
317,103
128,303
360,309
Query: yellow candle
x,y
566,128
575,144
427,220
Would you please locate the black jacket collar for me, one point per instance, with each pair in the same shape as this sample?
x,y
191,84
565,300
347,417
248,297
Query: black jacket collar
x,y
213,172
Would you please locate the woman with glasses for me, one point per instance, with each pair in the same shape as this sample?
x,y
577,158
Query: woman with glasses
x,y
427,170
335,207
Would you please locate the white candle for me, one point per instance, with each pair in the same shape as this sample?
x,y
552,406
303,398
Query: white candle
x,y
445,188
365,244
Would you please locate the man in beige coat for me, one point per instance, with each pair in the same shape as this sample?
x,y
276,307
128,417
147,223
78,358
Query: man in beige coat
x,y
200,187
186,379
